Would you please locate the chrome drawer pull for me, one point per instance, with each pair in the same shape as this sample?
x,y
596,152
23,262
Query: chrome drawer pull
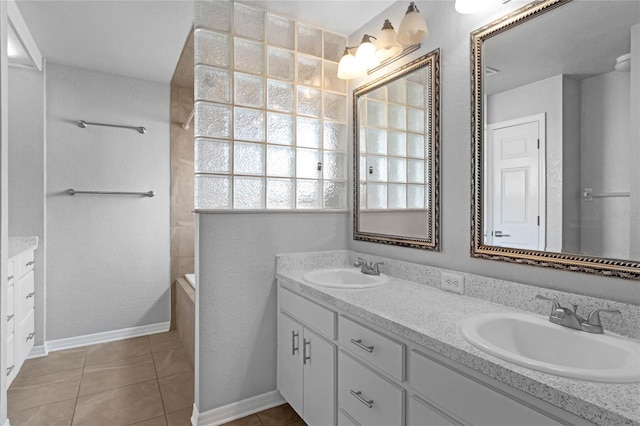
x,y
10,369
30,336
10,277
361,345
30,295
9,317
305,357
359,397
29,263
294,336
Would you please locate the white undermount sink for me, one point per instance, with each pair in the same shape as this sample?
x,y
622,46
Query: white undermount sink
x,y
344,278
532,341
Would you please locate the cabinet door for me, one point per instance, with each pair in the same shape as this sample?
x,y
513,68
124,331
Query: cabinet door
x,y
319,359
27,337
290,361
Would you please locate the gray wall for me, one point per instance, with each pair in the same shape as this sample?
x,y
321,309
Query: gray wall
x,y
108,256
237,295
450,32
606,164
27,173
634,133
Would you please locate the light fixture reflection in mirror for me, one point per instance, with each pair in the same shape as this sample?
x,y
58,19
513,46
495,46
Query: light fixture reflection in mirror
x,y
396,156
555,145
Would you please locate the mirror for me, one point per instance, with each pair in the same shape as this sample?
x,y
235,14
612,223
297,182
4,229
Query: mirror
x,y
555,137
396,156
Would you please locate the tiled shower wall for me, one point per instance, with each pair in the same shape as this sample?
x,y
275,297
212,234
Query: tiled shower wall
x,y
182,217
271,114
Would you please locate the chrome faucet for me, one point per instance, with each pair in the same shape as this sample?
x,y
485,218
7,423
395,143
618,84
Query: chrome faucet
x,y
372,268
568,317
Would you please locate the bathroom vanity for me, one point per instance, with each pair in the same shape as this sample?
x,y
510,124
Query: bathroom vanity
x,y
392,355
20,303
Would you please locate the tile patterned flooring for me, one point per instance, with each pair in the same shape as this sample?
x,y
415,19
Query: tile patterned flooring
x,y
144,381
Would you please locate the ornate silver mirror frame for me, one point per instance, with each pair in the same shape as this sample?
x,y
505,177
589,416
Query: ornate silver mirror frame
x,y
430,238
574,262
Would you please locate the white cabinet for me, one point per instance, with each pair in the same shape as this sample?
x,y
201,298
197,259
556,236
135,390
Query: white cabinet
x,y
306,360
20,312
385,379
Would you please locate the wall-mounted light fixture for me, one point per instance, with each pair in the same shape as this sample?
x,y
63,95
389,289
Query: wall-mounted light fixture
x,y
413,27
388,46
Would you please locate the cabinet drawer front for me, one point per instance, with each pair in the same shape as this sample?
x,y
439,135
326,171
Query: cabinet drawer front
x,y
11,347
382,352
317,317
11,324
467,399
10,270
26,263
344,420
370,399
26,335
10,300
421,413
27,294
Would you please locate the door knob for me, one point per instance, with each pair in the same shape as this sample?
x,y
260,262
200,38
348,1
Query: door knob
x,y
500,234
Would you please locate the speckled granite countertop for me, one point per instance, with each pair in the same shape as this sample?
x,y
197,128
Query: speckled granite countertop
x,y
429,317
18,245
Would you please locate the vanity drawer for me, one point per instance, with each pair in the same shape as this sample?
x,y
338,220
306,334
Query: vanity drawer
x,y
25,264
27,335
382,352
367,397
27,293
10,271
345,420
471,401
422,413
315,316
10,301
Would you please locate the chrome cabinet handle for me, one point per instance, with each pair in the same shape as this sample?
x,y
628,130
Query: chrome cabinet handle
x,y
9,317
500,234
294,336
10,277
10,369
306,356
30,336
29,263
361,345
30,295
359,397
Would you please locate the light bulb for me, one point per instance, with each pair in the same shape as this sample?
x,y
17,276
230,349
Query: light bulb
x,y
366,53
349,67
387,44
413,27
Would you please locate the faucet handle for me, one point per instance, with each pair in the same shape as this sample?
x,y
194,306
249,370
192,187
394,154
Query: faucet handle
x,y
555,304
360,261
376,267
574,308
593,319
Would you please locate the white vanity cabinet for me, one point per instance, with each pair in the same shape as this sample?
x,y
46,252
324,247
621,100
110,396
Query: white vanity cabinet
x,y
384,379
20,311
307,358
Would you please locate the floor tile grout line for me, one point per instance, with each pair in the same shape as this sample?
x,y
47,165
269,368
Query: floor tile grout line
x,y
155,370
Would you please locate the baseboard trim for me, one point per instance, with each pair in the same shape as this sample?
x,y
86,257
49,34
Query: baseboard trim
x,y
239,409
39,351
107,336
194,415
6,422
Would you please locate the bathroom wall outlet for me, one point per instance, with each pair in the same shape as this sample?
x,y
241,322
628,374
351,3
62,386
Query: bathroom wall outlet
x,y
452,282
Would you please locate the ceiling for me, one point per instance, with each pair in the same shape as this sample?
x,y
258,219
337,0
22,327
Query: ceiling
x,y
579,39
144,38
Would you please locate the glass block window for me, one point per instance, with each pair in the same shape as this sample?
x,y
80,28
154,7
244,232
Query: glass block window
x,y
270,118
393,150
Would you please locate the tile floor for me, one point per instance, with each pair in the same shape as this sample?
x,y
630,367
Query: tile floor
x,y
144,381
